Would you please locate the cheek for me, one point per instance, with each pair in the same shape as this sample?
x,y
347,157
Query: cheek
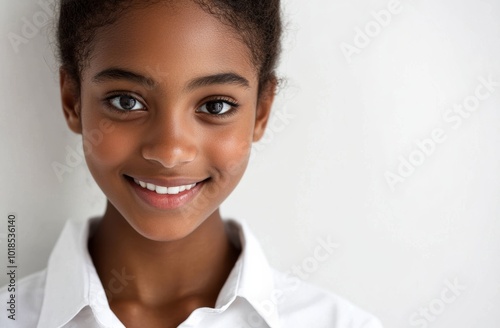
x,y
228,155
229,150
105,143
230,147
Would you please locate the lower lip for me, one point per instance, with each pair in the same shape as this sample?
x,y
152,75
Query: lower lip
x,y
166,201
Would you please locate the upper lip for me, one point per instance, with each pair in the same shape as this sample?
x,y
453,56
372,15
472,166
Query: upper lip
x,y
168,182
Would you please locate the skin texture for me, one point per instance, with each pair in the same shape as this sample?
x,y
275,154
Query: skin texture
x,y
177,259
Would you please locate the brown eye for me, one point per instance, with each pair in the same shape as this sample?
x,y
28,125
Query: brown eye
x,y
217,107
125,103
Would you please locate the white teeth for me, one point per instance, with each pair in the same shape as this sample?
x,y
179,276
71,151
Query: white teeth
x,y
161,190
164,190
173,190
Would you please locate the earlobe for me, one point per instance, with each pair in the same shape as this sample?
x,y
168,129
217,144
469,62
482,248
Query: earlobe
x,y
70,100
264,105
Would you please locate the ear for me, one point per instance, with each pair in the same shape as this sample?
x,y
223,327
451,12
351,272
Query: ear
x,y
264,104
70,100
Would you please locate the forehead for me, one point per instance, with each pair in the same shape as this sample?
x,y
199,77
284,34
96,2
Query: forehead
x,y
171,42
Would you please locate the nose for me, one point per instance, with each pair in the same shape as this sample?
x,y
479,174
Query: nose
x,y
170,140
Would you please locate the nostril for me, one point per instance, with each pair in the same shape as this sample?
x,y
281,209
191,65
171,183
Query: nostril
x,y
170,157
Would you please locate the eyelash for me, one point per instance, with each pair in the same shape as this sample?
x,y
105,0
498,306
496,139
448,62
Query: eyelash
x,y
107,102
234,105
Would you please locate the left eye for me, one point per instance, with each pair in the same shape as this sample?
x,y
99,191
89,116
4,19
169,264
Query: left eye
x,y
125,103
216,107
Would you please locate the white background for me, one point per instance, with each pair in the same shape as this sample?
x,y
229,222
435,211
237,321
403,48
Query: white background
x,y
323,173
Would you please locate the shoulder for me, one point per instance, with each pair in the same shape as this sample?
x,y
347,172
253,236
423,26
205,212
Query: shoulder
x,y
24,301
300,302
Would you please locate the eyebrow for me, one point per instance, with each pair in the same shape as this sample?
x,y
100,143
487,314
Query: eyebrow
x,y
214,79
121,74
221,78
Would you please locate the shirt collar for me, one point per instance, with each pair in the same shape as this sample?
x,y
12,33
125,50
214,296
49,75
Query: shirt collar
x,y
72,282
252,277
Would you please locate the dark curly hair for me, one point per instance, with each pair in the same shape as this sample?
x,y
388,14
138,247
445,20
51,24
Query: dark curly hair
x,y
258,22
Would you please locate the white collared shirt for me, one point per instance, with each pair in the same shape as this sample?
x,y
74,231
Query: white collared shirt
x,y
68,293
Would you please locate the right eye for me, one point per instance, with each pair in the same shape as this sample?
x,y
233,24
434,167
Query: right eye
x,y
125,102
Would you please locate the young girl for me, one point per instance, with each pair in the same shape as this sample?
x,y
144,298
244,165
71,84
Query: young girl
x,y
178,91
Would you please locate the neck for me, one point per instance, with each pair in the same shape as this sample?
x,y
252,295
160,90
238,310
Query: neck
x,y
133,268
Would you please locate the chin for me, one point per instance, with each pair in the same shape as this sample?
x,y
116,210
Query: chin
x,y
163,229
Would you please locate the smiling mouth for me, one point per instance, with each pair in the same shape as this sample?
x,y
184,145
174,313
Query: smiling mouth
x,y
162,190
165,197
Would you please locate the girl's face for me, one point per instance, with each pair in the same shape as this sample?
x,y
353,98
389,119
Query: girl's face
x,y
169,98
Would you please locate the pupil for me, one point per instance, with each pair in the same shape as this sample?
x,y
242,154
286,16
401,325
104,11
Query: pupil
x,y
127,102
215,107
